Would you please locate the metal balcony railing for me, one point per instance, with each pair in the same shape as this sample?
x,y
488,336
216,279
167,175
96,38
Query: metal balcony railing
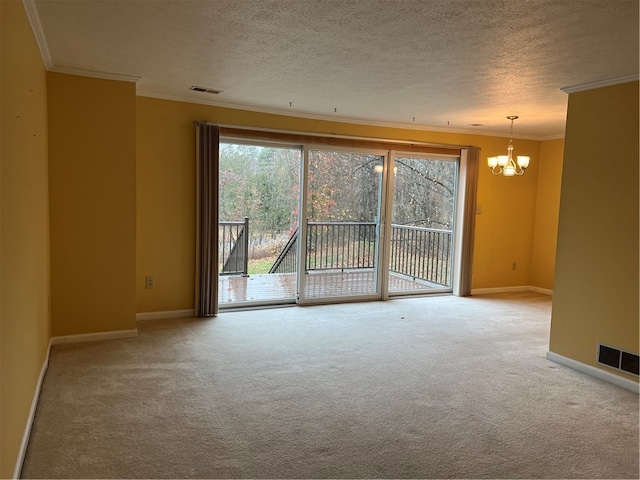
x,y
233,247
416,252
421,253
287,260
340,245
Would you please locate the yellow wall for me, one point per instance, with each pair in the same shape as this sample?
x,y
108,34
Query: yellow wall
x,y
543,256
505,228
113,176
165,194
92,175
596,276
24,220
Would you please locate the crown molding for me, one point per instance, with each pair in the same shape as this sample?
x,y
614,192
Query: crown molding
x,y
552,137
36,26
329,118
297,114
601,83
94,74
38,32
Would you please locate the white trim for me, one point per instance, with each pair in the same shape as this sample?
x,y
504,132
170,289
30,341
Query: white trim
x,y
93,74
32,413
93,337
546,291
248,307
520,288
483,291
552,137
38,32
163,315
89,337
601,83
329,118
595,372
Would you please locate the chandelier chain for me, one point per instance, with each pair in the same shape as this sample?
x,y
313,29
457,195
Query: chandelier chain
x,y
512,118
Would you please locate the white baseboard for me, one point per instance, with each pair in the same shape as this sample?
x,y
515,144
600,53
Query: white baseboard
x,y
87,337
482,291
519,288
165,315
94,337
595,372
32,413
545,291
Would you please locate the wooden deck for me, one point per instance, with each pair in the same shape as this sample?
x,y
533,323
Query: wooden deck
x,y
282,287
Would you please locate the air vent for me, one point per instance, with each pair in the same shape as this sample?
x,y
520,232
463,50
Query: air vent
x,y
618,359
629,363
212,91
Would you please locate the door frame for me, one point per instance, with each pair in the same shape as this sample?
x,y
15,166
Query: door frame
x,y
468,158
270,302
393,154
380,229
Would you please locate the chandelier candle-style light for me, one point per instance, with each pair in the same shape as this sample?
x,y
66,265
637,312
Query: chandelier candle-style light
x,y
504,164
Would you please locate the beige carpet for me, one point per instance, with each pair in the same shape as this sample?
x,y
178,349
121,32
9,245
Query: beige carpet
x,y
438,387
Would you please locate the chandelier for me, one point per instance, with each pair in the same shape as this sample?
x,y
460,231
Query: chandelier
x,y
504,164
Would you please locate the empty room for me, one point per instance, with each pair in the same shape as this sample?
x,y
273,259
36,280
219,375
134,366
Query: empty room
x,y
319,239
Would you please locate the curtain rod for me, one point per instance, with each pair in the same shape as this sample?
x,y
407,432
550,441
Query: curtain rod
x,y
337,136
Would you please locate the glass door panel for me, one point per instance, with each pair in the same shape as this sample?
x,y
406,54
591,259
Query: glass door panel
x,y
258,211
422,220
343,195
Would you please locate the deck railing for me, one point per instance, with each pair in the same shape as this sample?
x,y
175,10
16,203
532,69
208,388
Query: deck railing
x,y
287,260
340,245
233,247
421,253
416,252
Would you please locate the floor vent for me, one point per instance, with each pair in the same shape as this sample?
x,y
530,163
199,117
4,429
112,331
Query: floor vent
x,y
618,359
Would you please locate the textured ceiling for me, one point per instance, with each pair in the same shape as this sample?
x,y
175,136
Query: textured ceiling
x,y
444,64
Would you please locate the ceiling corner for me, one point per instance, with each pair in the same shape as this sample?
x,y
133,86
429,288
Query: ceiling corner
x,y
38,32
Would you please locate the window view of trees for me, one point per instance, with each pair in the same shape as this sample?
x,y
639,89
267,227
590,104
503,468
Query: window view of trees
x,y
263,184
424,193
260,183
343,186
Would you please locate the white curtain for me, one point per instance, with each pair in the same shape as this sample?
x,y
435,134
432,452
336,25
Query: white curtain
x,y
207,161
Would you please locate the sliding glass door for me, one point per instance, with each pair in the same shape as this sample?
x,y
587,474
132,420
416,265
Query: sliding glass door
x,y
342,212
318,225
258,212
422,224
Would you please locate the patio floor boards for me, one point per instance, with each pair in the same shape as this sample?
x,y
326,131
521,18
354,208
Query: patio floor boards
x,y
270,287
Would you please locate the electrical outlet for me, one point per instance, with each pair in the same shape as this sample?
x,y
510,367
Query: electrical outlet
x,y
513,266
150,282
